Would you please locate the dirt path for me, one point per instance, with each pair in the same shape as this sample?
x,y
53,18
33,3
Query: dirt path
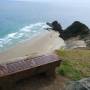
x,y
42,83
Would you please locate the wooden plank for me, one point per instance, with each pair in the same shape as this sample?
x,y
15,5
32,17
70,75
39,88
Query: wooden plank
x,y
13,71
14,67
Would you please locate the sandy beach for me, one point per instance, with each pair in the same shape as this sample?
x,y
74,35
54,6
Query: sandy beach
x,y
44,43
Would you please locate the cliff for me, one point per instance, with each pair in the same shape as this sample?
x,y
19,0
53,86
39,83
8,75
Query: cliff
x,y
76,29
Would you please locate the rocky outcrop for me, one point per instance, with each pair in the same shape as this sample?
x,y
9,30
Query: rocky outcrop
x,y
56,26
75,29
83,84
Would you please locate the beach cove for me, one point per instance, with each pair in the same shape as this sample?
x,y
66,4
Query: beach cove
x,y
42,44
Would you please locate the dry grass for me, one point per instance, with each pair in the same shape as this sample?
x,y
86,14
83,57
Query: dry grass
x,y
77,61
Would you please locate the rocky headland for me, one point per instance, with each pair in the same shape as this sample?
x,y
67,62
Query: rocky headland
x,y
76,35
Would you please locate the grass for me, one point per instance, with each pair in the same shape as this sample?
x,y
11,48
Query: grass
x,y
75,64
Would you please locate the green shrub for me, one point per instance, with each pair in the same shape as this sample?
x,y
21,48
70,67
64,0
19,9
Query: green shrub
x,y
66,69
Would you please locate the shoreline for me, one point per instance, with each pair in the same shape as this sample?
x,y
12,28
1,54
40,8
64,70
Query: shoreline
x,y
22,42
44,43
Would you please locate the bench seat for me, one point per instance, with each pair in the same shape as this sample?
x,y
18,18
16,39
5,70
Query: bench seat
x,y
14,71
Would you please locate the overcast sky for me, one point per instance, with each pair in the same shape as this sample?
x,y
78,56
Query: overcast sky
x,y
55,0
64,2
79,3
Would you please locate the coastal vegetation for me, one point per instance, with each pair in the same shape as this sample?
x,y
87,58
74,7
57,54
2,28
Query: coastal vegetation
x,y
75,64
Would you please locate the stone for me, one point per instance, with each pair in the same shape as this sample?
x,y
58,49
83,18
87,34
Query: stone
x,y
83,84
75,29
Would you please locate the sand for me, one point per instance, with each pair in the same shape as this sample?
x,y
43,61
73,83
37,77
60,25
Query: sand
x,y
74,43
44,43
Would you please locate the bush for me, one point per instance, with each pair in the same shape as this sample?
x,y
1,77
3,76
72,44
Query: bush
x,y
67,70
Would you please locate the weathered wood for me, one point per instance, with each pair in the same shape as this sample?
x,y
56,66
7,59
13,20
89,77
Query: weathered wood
x,y
14,71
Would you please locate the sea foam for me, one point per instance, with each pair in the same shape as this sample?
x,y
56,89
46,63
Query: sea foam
x,y
22,34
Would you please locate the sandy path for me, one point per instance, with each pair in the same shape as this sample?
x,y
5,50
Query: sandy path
x,y
42,83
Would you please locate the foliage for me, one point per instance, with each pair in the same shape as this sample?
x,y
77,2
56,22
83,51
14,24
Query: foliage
x,y
76,63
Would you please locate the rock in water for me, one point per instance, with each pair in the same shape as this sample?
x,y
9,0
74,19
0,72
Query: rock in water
x,y
83,84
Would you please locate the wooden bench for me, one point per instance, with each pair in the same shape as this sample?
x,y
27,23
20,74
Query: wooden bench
x,y
14,71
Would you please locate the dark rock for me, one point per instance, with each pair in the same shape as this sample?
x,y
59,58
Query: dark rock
x,y
83,84
77,28
56,26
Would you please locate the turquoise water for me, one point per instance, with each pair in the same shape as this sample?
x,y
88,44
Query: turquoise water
x,y
22,20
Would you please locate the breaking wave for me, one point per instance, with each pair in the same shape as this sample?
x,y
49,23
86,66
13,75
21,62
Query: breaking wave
x,y
24,33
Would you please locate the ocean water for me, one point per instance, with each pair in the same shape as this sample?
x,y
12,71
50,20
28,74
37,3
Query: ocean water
x,y
23,20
